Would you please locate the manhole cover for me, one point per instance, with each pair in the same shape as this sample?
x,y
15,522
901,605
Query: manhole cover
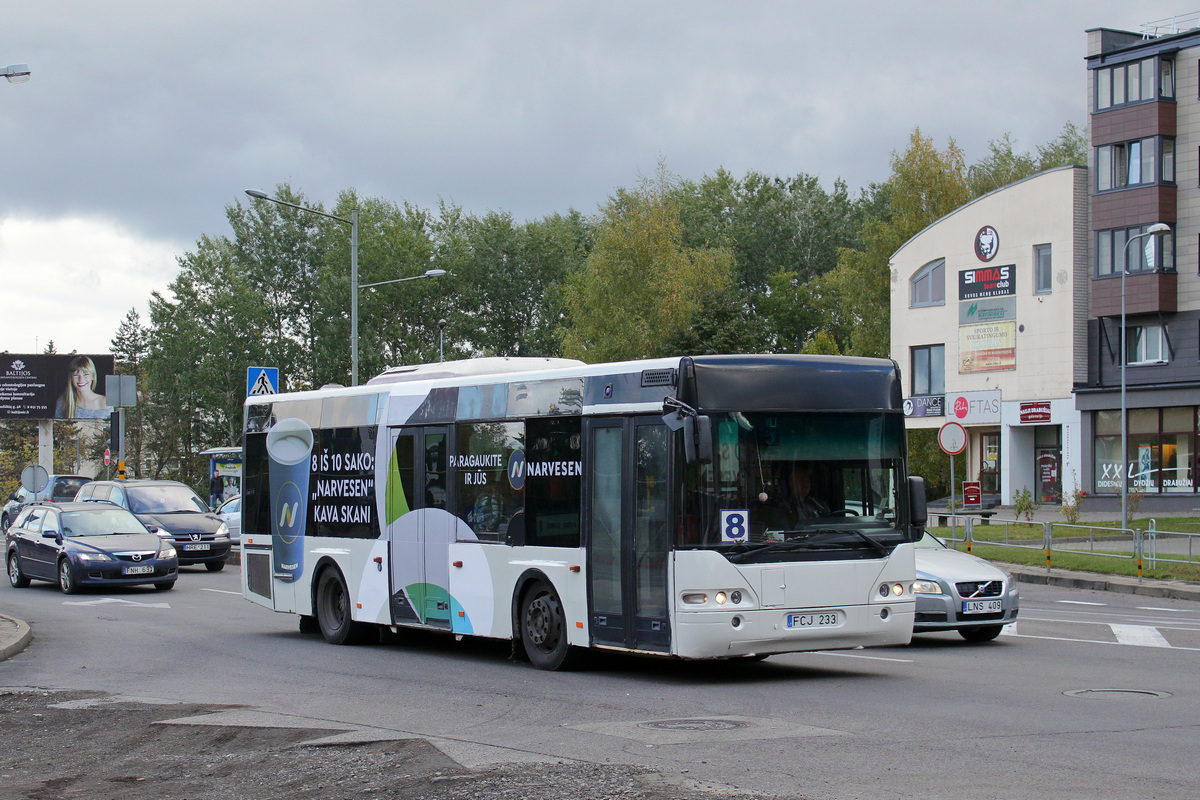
x,y
695,725
1135,692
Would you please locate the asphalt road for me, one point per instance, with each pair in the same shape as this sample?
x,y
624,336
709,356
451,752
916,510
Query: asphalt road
x,y
198,693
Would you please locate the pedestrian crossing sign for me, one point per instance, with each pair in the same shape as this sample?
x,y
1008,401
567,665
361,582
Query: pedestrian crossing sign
x,y
261,381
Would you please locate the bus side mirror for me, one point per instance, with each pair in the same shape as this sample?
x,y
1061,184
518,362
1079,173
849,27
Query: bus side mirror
x,y
917,509
697,440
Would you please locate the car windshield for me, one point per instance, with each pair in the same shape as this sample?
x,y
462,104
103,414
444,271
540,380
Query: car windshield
x,y
100,522
164,500
798,486
930,542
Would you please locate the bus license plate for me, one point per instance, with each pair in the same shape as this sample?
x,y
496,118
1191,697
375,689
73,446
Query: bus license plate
x,y
199,546
144,569
982,607
821,619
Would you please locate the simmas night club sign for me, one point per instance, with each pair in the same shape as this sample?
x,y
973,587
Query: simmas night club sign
x,y
53,386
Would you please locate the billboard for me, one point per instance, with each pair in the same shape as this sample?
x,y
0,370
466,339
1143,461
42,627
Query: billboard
x,y
987,347
54,386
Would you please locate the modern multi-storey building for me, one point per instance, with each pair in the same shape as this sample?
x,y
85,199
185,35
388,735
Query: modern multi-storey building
x,y
1144,111
988,322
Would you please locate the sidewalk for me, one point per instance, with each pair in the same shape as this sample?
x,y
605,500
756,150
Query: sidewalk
x,y
14,636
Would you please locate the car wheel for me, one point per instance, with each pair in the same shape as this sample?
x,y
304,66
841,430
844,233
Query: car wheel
x,y
4,522
66,577
164,586
15,576
215,566
333,610
984,634
544,628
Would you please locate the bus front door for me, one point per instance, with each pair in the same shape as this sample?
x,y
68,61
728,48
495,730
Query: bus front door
x,y
629,533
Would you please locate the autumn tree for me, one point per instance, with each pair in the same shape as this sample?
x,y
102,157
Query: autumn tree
x,y
640,286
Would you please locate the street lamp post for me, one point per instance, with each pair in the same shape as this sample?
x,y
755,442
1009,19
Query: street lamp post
x,y
1157,229
354,286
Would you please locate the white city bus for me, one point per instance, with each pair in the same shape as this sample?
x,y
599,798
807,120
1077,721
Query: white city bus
x,y
646,506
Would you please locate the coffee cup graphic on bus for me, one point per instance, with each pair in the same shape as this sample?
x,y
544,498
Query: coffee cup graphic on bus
x,y
289,445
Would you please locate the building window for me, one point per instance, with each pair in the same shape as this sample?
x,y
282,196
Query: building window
x,y
1161,455
1123,164
1042,273
1145,344
929,285
929,369
1148,254
1131,83
1166,78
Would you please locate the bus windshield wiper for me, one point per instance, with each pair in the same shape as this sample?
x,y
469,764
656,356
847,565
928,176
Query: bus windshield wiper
x,y
804,540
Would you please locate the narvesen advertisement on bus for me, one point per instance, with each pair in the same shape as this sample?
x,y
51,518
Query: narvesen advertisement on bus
x,y
54,386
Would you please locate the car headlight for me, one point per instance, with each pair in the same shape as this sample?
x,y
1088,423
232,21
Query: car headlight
x,y
222,531
93,557
167,551
926,587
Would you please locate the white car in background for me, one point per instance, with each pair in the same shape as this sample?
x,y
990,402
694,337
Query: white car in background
x,y
230,513
957,591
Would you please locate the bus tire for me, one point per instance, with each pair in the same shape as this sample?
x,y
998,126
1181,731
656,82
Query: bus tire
x,y
544,627
333,610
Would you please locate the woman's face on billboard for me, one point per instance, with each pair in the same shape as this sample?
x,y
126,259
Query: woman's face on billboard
x,y
82,378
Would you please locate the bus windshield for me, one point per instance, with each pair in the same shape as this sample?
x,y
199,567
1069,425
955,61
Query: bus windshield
x,y
810,484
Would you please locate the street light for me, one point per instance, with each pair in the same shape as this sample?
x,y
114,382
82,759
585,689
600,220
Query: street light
x,y
17,73
354,286
1157,229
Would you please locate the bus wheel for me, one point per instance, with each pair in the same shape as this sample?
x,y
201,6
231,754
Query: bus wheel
x,y
543,627
333,610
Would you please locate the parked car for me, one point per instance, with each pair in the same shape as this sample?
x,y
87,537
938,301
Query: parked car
x,y
230,513
171,507
59,489
957,591
86,544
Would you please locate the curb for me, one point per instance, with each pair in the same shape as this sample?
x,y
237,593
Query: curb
x,y
15,636
1176,590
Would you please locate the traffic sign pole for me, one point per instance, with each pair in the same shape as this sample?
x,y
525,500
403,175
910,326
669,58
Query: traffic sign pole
x,y
952,438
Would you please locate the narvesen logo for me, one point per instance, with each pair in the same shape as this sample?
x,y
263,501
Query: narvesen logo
x,y
287,515
516,470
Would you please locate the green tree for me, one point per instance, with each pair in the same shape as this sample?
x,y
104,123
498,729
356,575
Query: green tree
x,y
640,286
925,185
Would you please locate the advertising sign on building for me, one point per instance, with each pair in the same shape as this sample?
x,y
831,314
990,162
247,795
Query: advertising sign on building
x,y
974,408
1035,413
997,309
990,347
987,282
43,386
925,406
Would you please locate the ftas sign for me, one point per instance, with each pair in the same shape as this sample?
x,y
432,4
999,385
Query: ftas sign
x,y
974,408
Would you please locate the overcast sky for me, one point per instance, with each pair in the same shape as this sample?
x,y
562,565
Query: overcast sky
x,y
143,120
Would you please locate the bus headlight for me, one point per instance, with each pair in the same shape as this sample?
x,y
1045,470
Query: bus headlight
x,y
695,598
721,598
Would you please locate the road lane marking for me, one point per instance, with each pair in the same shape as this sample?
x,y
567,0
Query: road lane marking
x,y
1079,603
1156,608
1140,635
105,600
220,591
856,655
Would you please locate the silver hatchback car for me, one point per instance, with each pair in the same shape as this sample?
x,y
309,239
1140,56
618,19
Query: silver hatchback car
x,y
959,592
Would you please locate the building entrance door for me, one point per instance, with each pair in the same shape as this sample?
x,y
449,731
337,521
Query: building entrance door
x,y
1047,463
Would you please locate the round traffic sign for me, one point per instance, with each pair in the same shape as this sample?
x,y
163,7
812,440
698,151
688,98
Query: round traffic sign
x,y
34,478
952,437
107,456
